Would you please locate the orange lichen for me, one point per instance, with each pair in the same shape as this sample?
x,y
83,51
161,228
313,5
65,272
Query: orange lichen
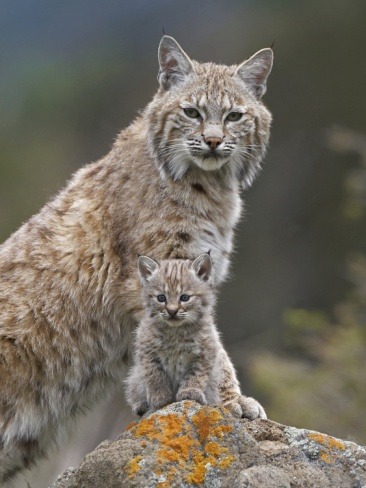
x,y
220,430
183,445
335,444
167,455
167,426
319,438
173,424
325,457
146,428
214,448
202,461
225,463
134,466
327,441
131,425
179,451
204,422
198,473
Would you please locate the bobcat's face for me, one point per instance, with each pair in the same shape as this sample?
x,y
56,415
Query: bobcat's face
x,y
176,291
174,307
210,116
210,128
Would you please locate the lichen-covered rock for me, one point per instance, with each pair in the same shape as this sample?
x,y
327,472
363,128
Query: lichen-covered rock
x,y
187,445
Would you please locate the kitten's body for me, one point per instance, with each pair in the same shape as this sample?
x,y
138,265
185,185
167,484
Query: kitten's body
x,y
69,292
175,351
178,352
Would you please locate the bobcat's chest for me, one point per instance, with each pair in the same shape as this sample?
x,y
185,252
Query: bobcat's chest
x,y
199,216
214,221
178,358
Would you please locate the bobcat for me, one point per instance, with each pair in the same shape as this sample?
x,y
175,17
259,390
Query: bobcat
x,y
179,355
69,288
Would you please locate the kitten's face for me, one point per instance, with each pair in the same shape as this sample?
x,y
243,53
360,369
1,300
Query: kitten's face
x,y
210,116
176,292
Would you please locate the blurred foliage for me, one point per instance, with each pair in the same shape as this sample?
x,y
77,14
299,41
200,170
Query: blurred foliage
x,y
344,140
318,381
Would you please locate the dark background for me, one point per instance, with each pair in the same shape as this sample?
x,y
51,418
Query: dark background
x,y
72,74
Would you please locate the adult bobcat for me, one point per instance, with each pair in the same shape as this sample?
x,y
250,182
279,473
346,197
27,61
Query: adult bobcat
x,y
69,290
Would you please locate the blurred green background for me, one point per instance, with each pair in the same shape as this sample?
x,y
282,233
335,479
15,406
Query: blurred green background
x,y
293,312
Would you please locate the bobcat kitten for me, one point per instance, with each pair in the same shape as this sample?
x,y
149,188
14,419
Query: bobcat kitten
x,y
69,288
179,355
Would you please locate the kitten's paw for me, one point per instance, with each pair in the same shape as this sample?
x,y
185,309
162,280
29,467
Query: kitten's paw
x,y
246,407
192,394
157,402
140,408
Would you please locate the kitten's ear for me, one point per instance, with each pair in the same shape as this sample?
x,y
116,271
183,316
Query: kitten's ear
x,y
203,266
147,267
174,63
255,71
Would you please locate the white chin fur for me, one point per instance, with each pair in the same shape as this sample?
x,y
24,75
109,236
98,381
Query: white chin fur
x,y
209,164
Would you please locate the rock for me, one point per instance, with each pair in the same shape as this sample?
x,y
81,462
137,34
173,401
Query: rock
x,y
187,445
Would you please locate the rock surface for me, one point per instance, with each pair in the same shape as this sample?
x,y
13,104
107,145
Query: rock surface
x,y
186,445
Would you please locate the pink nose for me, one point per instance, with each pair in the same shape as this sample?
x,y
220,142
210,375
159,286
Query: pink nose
x,y
172,311
213,142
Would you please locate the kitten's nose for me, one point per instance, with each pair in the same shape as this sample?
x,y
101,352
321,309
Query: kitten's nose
x,y
172,312
213,142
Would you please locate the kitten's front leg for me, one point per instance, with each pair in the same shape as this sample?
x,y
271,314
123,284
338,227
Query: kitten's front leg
x,y
136,394
159,387
191,393
231,396
195,381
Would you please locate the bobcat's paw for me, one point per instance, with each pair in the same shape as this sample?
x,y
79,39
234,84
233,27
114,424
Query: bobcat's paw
x,y
246,407
192,394
159,401
140,408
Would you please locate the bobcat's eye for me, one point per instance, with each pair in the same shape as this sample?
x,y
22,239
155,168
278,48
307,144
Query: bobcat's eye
x,y
234,116
184,298
192,113
161,298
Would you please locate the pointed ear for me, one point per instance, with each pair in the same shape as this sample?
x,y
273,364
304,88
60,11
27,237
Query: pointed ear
x,y
203,266
174,63
147,267
255,70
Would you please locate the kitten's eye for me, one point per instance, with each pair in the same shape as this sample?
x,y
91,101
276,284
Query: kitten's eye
x,y
192,113
161,298
184,298
234,116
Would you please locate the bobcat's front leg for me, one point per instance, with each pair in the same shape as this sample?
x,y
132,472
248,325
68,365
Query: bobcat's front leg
x,y
195,381
191,393
231,396
158,386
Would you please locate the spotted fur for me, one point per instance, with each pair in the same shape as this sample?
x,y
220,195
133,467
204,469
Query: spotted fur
x,y
69,290
178,352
